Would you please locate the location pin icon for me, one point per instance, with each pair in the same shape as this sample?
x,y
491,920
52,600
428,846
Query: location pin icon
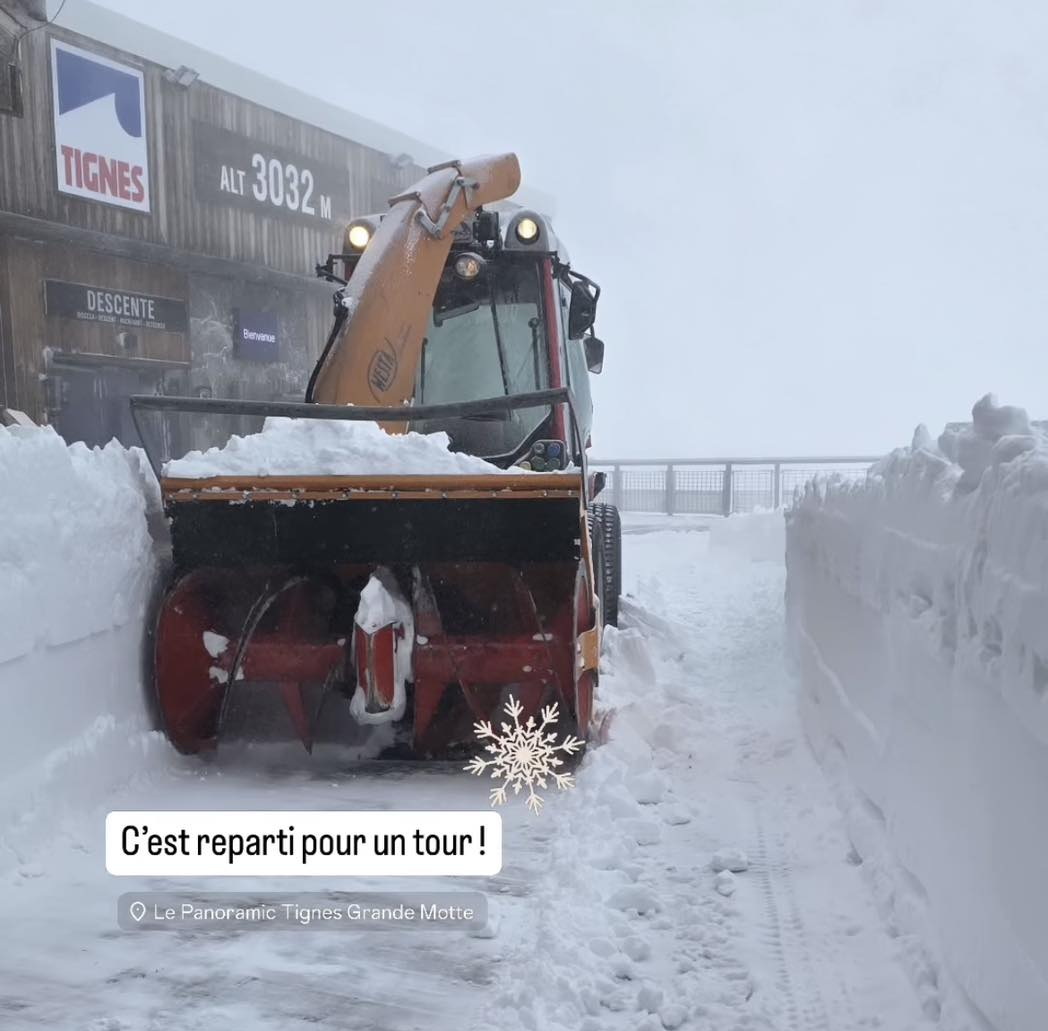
x,y
137,910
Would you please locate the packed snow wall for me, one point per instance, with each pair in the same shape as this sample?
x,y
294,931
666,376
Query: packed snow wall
x,y
918,611
77,568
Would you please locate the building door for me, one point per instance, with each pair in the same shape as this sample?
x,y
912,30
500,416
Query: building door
x,y
78,416
93,404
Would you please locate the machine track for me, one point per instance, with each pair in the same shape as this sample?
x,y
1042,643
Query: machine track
x,y
785,937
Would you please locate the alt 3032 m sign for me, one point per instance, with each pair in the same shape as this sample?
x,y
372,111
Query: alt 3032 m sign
x,y
236,170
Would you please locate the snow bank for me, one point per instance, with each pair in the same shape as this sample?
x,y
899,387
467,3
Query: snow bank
x,y
319,447
77,567
918,611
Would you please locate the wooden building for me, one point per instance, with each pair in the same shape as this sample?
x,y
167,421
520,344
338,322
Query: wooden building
x,y
159,229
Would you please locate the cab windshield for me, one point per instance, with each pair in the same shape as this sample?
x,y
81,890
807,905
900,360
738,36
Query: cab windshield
x,y
486,339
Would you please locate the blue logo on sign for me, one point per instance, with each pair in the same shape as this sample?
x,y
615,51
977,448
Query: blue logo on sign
x,y
82,81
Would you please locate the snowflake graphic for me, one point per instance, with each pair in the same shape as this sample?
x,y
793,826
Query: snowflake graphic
x,y
524,755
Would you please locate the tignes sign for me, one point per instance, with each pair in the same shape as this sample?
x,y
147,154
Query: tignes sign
x,y
101,143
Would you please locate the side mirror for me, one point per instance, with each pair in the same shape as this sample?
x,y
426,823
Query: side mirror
x,y
594,353
582,312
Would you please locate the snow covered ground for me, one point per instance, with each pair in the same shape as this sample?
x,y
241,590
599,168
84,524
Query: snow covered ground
x,y
631,929
608,913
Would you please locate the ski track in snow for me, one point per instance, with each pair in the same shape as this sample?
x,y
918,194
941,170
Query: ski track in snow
x,y
605,915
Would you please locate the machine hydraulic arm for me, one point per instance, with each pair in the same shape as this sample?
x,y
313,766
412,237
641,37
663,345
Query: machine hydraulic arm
x,y
388,300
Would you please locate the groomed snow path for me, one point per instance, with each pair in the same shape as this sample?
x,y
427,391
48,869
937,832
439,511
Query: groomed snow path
x,y
607,914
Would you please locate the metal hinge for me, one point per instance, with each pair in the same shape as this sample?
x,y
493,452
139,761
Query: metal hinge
x,y
436,229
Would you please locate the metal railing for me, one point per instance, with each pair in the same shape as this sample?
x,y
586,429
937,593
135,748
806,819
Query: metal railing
x,y
715,486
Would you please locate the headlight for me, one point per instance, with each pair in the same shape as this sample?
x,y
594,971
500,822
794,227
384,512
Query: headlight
x,y
527,230
359,236
468,266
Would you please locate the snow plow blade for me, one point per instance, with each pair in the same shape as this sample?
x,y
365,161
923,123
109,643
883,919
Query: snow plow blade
x,y
422,599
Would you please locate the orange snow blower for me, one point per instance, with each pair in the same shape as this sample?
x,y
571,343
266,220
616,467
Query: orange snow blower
x,y
419,599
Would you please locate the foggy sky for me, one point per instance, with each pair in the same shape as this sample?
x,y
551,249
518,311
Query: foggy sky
x,y
815,223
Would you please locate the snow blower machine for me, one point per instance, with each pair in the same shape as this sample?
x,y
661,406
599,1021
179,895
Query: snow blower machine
x,y
416,598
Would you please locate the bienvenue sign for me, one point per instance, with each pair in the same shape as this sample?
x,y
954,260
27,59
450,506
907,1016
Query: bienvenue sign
x,y
256,335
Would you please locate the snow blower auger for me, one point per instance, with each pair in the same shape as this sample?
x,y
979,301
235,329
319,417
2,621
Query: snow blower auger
x,y
412,595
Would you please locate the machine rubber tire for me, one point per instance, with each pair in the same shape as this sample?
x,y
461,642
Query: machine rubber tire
x,y
596,535
585,682
611,546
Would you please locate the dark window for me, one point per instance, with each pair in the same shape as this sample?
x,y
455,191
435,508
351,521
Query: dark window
x,y
578,373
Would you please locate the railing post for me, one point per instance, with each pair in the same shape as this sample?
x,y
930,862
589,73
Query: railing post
x,y
671,489
727,496
616,487
777,489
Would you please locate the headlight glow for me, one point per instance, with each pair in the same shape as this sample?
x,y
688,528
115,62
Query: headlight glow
x,y
359,236
527,230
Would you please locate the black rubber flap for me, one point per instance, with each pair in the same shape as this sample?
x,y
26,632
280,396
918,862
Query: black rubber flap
x,y
389,531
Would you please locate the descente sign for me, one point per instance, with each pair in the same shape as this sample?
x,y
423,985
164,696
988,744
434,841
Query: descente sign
x,y
118,307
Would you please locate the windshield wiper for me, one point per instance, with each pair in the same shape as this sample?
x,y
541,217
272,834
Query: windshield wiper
x,y
534,323
498,343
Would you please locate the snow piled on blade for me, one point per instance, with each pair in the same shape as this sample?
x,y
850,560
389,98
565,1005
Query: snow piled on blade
x,y
78,567
918,611
327,447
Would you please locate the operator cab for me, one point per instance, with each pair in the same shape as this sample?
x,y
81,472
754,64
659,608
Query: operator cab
x,y
509,317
